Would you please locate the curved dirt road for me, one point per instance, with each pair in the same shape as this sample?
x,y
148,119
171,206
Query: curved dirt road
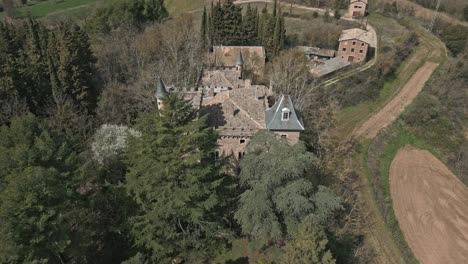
x,y
395,107
431,206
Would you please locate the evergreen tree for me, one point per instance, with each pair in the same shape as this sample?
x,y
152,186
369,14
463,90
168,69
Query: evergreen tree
x,y
275,7
175,181
217,24
277,194
203,29
249,26
36,182
308,245
72,65
231,32
277,45
36,88
154,11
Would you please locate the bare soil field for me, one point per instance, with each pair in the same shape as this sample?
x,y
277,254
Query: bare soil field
x,y
431,206
395,107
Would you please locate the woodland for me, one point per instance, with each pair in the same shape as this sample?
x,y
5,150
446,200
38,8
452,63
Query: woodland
x,y
92,172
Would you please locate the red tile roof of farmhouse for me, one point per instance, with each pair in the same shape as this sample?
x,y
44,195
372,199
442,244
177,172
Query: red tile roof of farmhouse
x,y
359,34
354,1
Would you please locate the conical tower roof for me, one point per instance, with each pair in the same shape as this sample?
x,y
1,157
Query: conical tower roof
x,y
161,91
239,60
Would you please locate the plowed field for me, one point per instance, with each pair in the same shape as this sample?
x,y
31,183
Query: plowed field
x,y
431,206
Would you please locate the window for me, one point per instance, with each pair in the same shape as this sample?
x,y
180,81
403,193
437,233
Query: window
x,y
286,113
242,141
354,42
360,51
362,44
284,136
344,49
352,50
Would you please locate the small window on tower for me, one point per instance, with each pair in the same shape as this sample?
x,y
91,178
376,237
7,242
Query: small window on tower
x,y
344,49
242,141
285,116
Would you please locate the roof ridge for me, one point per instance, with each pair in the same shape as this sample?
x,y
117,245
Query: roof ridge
x,y
245,112
279,103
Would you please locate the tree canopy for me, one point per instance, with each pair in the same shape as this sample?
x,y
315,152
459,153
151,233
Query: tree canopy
x,y
174,179
278,195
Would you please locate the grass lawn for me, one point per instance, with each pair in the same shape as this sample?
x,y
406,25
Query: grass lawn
x,y
178,7
45,8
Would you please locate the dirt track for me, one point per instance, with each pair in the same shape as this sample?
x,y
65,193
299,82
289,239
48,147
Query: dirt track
x,y
431,206
395,107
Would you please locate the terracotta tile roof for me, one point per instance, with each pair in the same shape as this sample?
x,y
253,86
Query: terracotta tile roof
x,y
359,34
354,1
235,110
218,77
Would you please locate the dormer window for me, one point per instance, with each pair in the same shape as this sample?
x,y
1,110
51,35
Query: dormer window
x,y
286,114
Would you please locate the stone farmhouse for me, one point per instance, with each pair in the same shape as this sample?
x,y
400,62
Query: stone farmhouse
x,y
357,8
237,109
354,45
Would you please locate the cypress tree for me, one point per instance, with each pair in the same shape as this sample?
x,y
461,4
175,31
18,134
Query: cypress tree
x,y
217,24
277,36
274,9
249,26
203,30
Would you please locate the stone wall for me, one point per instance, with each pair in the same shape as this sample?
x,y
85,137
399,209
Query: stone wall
x,y
353,50
292,136
232,145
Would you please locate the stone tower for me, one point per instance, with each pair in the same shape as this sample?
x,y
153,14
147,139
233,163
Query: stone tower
x,y
160,93
239,64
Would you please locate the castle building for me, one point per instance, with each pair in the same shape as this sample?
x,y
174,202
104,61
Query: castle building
x,y
237,109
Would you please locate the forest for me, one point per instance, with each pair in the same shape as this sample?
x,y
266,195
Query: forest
x,y
92,172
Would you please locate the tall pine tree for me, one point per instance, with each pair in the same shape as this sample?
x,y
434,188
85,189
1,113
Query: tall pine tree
x,y
175,181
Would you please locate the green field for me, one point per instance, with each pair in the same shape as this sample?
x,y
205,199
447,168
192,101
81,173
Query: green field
x,y
45,8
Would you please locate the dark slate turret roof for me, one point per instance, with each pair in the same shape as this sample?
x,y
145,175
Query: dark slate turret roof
x,y
161,91
239,60
273,116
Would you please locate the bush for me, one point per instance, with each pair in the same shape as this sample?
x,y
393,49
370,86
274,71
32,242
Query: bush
x,y
455,38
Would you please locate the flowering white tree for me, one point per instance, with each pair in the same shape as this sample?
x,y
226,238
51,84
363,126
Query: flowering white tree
x,y
110,141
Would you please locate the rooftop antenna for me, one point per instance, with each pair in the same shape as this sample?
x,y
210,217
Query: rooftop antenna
x,y
431,26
